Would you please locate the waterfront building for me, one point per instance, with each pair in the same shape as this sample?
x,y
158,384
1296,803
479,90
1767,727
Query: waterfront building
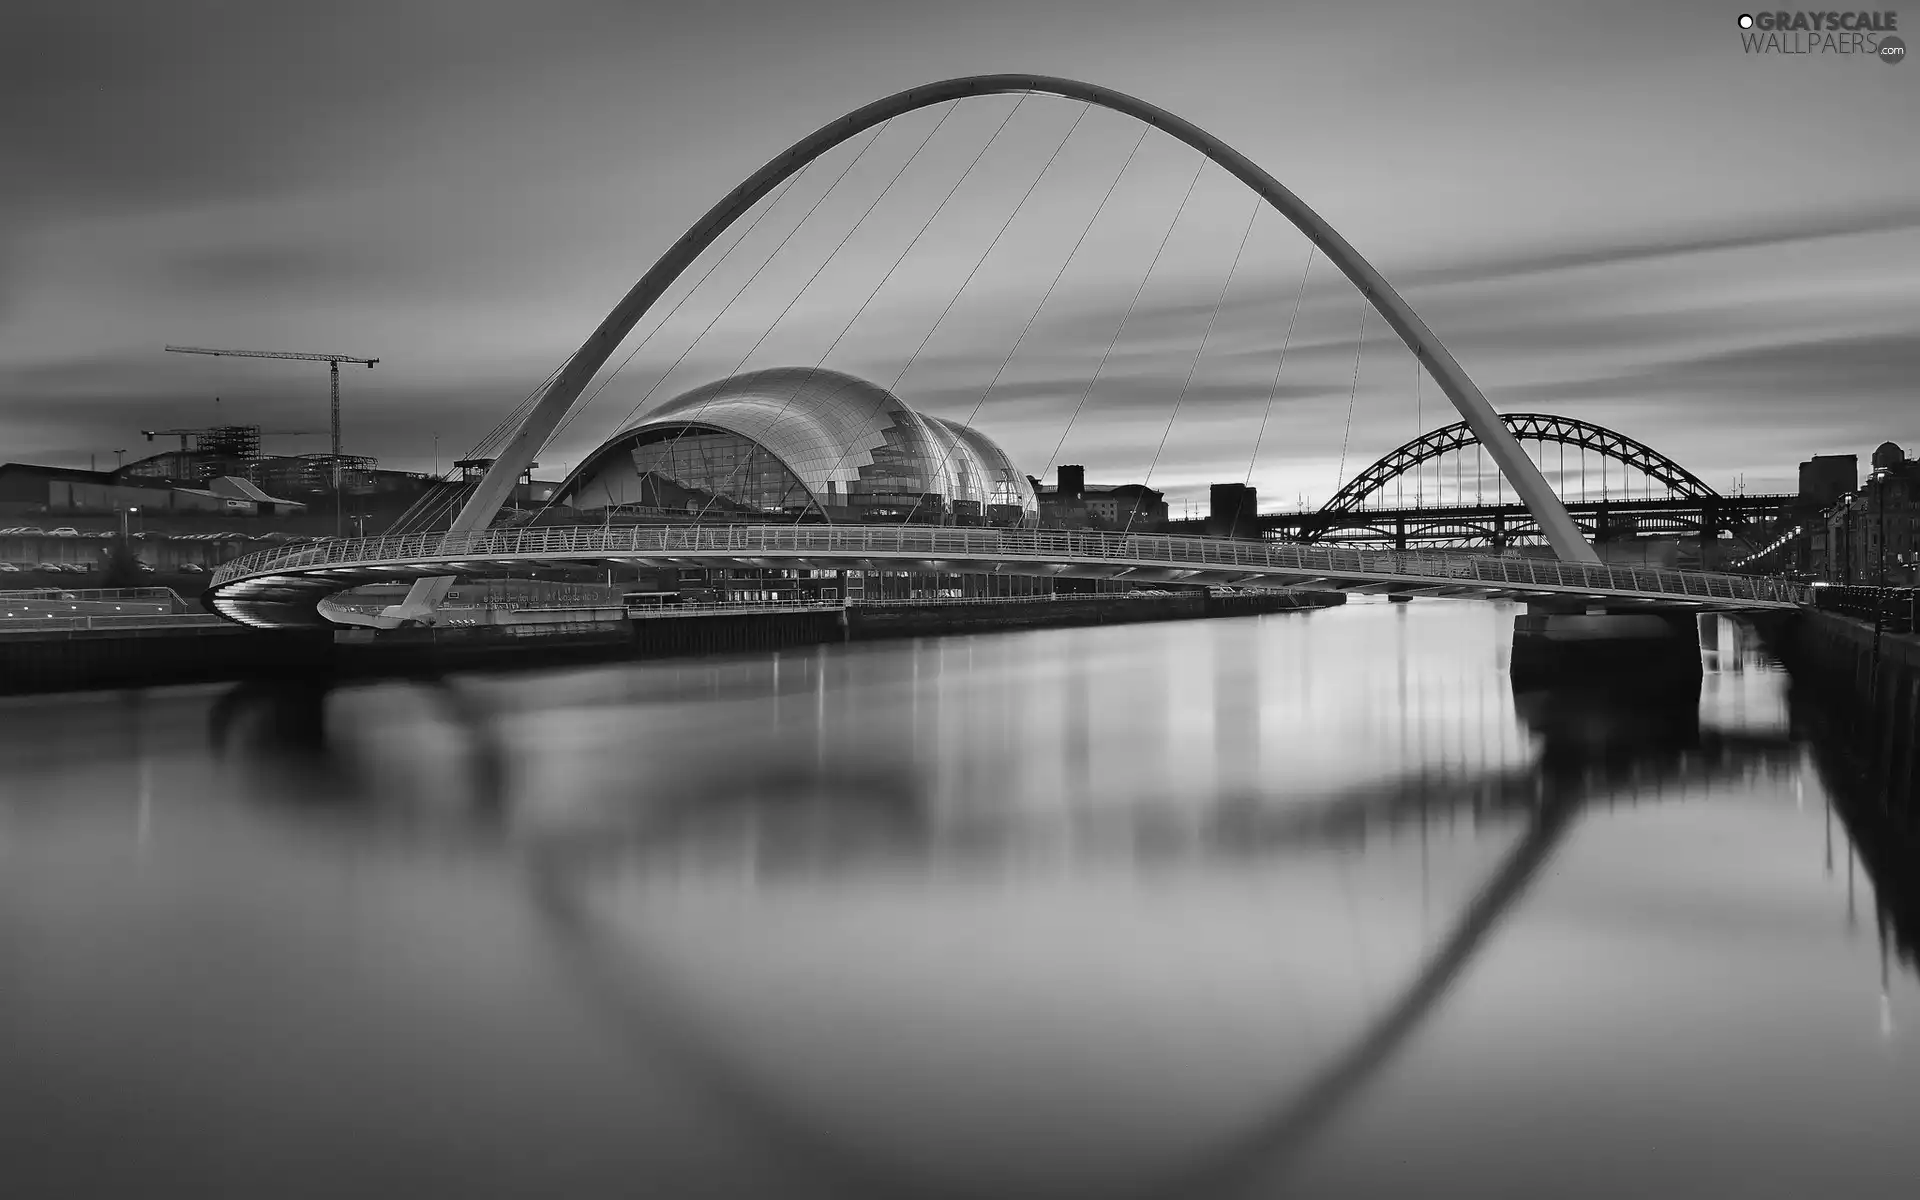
x,y
799,443
807,445
1871,536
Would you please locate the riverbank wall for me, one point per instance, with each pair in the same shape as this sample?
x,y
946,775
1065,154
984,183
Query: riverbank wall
x,y
78,659
1855,699
1862,686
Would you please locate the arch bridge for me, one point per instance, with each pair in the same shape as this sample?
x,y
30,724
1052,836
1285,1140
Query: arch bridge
x,y
284,587
1361,512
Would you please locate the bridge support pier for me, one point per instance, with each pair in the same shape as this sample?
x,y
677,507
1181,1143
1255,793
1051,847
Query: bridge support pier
x,y
1653,652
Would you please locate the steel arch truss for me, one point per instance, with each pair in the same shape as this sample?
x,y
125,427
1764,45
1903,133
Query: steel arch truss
x,y
1534,427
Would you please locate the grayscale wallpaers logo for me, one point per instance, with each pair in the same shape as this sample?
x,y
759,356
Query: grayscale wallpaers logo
x,y
1868,34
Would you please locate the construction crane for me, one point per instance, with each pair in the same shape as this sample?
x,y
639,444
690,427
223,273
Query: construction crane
x,y
333,362
184,434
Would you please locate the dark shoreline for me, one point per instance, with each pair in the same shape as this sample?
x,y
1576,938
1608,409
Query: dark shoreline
x,y
80,659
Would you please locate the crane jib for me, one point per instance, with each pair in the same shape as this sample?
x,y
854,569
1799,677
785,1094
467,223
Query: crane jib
x,y
333,362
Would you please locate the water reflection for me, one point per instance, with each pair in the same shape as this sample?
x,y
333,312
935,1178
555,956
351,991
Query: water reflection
x,y
1117,912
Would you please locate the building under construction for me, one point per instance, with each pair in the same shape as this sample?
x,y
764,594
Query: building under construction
x,y
234,450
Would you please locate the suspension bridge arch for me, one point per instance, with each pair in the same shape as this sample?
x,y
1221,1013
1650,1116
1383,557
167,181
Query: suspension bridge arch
x,y
1544,428
564,391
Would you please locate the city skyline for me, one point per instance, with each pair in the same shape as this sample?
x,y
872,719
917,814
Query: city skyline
x,y
1662,235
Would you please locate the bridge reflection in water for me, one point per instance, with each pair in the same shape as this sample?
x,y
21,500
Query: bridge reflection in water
x,y
1082,912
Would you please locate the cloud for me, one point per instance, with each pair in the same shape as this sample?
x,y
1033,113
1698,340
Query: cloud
x,y
254,269
1750,233
1786,381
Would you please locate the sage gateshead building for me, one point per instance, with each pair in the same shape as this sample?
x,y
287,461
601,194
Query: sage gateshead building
x,y
800,443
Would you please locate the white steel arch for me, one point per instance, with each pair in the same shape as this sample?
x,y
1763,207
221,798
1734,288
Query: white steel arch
x,y
561,395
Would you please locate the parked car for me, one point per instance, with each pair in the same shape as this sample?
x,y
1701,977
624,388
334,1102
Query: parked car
x,y
7,568
65,531
193,568
51,568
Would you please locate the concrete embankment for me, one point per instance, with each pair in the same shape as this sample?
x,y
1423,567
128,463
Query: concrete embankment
x,y
1856,699
1863,687
69,659
76,659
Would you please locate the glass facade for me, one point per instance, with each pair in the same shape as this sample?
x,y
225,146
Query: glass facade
x,y
787,439
681,467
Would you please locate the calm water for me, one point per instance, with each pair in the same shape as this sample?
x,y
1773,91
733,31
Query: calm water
x,y
1307,904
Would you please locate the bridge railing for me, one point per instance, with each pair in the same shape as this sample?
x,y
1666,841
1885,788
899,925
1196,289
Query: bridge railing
x,y
935,543
140,595
1895,608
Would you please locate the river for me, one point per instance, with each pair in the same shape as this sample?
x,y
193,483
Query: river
x,y
1304,904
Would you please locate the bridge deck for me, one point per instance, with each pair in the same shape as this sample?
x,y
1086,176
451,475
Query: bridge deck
x,y
282,587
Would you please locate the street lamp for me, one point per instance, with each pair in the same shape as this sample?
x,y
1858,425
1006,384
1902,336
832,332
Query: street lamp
x,y
1879,479
1846,538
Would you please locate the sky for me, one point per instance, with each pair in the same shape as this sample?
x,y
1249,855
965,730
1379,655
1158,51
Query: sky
x,y
1606,211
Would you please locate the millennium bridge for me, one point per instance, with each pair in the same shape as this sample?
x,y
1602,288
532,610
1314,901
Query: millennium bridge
x,y
282,588
285,587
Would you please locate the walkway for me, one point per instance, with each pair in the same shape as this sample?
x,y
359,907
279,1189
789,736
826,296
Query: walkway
x,y
281,588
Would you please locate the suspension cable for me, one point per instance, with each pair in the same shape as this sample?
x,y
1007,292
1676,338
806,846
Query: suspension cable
x,y
512,421
1419,427
761,216
741,290
1193,366
914,241
831,255
764,263
1273,392
435,501
1353,390
894,387
1128,315
440,501
1048,294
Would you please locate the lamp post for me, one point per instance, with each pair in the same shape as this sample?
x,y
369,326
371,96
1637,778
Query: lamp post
x,y
1846,557
1879,479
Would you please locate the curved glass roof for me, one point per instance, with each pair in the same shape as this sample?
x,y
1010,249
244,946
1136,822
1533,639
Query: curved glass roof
x,y
841,436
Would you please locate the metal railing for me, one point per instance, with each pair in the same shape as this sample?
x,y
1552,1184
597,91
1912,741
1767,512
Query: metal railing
x,y
59,621
161,594
1897,609
1148,551
452,613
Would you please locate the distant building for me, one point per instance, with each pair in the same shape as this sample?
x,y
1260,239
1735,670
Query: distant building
x,y
1871,536
1825,478
1073,503
27,489
1233,510
1127,506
